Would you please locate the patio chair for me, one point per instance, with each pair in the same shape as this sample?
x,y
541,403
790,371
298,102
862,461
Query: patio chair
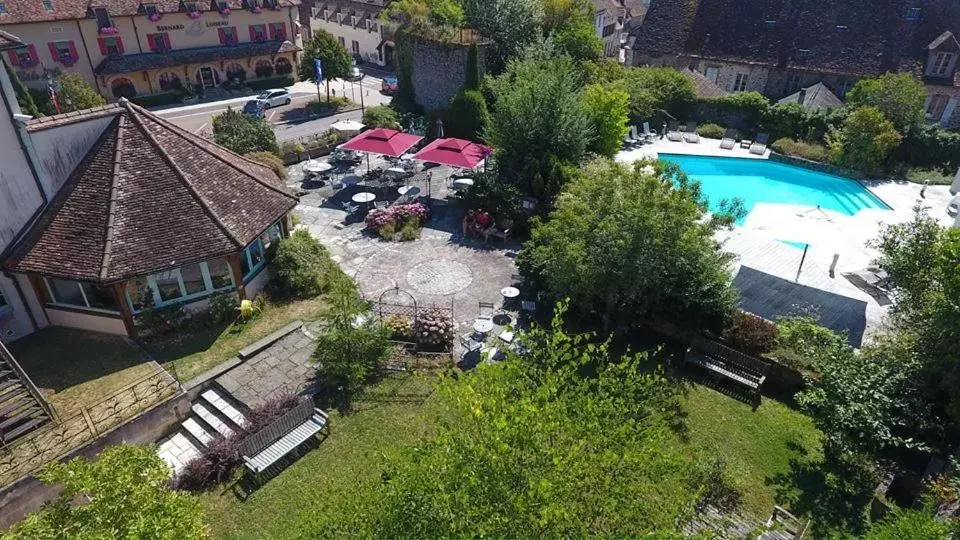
x,y
351,208
471,342
759,145
691,136
647,134
489,313
673,132
729,140
380,205
635,135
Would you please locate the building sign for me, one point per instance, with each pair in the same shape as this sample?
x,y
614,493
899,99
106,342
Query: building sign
x,y
215,24
170,27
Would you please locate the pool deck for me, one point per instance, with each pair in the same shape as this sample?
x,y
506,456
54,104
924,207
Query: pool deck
x,y
765,269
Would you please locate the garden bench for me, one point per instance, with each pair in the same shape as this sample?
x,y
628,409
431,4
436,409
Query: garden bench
x,y
267,446
728,363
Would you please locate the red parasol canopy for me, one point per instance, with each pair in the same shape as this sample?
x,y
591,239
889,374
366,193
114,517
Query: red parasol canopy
x,y
454,152
382,141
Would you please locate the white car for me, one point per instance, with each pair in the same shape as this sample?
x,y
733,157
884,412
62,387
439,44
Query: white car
x,y
274,98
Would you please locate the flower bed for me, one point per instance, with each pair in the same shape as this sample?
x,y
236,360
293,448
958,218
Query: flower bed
x,y
403,221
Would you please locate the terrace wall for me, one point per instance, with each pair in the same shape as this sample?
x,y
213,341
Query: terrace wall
x,y
438,69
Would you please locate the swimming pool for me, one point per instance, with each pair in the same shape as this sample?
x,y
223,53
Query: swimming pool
x,y
764,181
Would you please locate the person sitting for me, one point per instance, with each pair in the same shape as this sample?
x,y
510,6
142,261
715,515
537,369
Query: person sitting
x,y
467,224
481,222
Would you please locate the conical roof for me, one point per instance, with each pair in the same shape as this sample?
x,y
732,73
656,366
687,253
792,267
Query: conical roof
x,y
150,196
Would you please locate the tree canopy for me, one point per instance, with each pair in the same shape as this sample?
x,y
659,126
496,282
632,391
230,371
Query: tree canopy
x,y
74,93
900,96
381,116
538,120
631,245
607,110
510,24
334,58
568,441
242,134
571,23
125,494
467,117
865,141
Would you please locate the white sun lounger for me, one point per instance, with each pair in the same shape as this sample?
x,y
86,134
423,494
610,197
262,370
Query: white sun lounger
x,y
760,145
673,134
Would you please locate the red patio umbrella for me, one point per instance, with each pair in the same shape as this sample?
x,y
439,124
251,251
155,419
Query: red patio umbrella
x,y
454,152
382,141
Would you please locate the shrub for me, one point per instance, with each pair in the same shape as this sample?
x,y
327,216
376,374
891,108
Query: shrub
x,y
387,221
711,131
467,116
347,357
239,133
156,321
381,116
158,99
804,344
899,96
865,142
332,106
918,175
223,307
399,326
435,329
501,199
270,160
805,150
388,230
607,110
271,410
410,229
327,139
742,109
272,82
300,266
927,146
750,334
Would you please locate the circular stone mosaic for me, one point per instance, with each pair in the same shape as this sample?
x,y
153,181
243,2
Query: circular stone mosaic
x,y
439,277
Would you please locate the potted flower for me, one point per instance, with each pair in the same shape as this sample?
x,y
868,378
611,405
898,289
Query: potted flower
x,y
109,30
154,17
225,11
256,9
194,14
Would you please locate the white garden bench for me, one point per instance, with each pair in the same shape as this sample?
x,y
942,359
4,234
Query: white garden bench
x,y
269,445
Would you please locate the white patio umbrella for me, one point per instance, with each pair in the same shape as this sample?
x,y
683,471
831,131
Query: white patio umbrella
x,y
347,126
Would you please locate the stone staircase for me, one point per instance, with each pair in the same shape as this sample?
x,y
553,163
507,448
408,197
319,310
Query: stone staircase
x,y
212,415
22,408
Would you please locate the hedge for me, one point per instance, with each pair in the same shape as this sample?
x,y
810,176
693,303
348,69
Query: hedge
x,y
271,82
929,146
158,99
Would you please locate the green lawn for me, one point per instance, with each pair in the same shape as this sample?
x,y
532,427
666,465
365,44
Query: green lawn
x,y
756,446
307,497
941,177
77,368
188,353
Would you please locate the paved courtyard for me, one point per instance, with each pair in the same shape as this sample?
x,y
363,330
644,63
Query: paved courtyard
x,y
440,269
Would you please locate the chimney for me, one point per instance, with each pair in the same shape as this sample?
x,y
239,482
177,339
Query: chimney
x,y
803,95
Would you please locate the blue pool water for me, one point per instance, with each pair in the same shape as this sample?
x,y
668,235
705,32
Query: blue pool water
x,y
759,180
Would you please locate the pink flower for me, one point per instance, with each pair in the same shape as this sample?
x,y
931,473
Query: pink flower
x,y
256,9
154,17
194,15
225,11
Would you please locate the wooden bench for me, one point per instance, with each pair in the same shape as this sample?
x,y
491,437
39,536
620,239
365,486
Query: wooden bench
x,y
267,446
729,363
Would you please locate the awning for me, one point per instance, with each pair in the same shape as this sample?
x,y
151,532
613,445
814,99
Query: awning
x,y
455,153
383,141
200,55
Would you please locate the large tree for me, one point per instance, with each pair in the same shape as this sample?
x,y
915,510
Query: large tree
x,y
865,141
567,441
900,96
571,23
510,24
74,94
631,245
539,120
334,58
607,109
125,493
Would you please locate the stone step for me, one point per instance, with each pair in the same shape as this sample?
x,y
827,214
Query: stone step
x,y
214,398
212,419
177,450
197,431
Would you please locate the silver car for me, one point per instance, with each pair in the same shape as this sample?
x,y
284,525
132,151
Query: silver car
x,y
274,98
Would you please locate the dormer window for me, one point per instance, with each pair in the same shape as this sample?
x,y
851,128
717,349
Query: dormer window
x,y
912,14
103,18
3,8
150,10
770,24
48,5
941,64
190,7
803,54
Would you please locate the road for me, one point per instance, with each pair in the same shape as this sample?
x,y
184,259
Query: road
x,y
286,119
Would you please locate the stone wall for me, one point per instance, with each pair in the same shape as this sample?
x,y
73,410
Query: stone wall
x,y
438,70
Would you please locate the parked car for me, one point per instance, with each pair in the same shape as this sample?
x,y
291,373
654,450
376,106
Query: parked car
x,y
389,85
254,108
355,74
275,98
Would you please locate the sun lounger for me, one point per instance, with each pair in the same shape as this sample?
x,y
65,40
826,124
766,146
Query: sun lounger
x,y
691,136
729,140
673,132
759,146
651,135
953,207
630,138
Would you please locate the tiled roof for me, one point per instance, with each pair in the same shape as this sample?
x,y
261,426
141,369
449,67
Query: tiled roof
x,y
350,7
150,196
855,37
815,97
944,38
704,87
179,57
9,41
46,122
21,11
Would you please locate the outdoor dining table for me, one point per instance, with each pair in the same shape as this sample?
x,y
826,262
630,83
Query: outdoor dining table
x,y
483,326
317,167
398,171
462,183
364,197
510,292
